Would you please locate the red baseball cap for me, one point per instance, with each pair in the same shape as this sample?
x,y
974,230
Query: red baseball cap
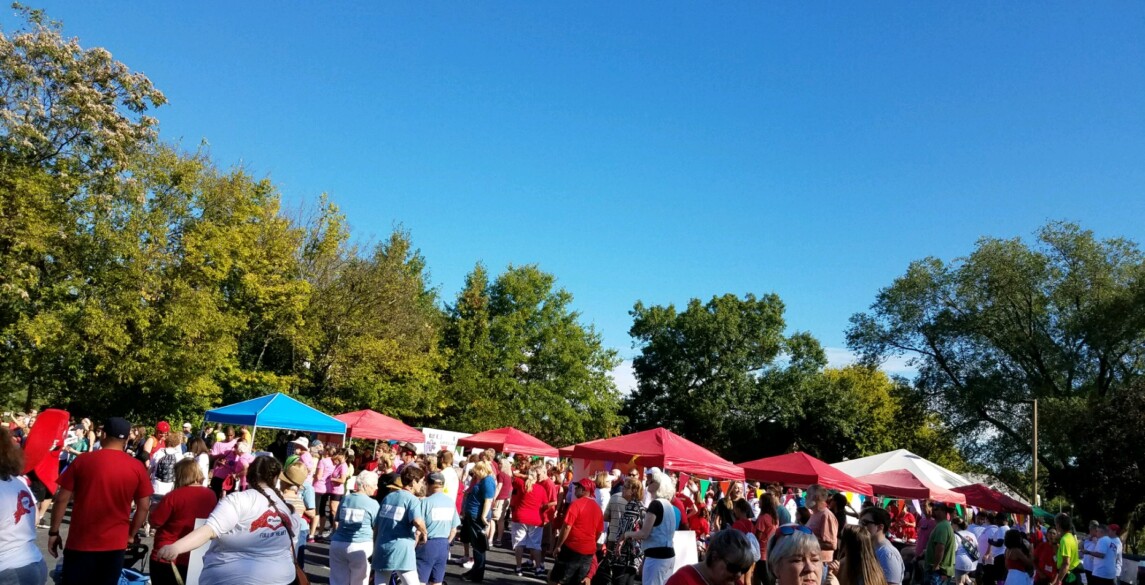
x,y
587,484
163,427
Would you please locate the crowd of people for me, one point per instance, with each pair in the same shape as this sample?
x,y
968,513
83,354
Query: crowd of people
x,y
391,514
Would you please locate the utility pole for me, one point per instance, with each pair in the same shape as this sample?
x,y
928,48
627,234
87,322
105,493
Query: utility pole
x,y
1034,497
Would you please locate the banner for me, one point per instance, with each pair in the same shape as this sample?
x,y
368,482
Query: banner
x,y
438,440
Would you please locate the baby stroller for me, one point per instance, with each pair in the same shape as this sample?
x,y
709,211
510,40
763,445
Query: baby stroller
x,y
136,554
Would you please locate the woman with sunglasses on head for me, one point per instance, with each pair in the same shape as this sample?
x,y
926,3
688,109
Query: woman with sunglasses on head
x,y
657,530
855,561
728,560
793,556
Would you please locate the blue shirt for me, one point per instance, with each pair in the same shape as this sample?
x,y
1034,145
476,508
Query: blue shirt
x,y
356,519
891,562
394,550
477,494
440,513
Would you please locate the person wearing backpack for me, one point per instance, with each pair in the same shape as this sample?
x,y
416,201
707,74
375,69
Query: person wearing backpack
x,y
163,466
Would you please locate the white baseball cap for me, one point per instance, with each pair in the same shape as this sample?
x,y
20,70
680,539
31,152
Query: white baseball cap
x,y
301,442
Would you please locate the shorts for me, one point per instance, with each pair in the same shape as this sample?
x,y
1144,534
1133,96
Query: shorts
x,y
431,560
571,567
403,577
1095,580
39,490
334,497
527,537
499,509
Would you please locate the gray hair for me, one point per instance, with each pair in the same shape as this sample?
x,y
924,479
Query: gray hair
x,y
730,546
367,480
781,547
665,486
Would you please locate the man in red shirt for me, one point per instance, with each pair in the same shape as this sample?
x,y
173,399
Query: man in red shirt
x,y
576,546
104,483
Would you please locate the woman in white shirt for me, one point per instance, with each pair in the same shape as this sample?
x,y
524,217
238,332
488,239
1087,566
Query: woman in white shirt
x,y
20,558
251,533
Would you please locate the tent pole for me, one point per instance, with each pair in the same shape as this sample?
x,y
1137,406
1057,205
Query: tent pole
x,y
253,430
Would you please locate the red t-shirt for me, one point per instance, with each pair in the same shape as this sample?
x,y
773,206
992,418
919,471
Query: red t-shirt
x,y
528,510
175,516
104,483
1045,565
505,481
585,523
686,576
699,525
552,491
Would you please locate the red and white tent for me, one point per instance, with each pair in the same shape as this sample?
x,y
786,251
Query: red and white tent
x,y
902,483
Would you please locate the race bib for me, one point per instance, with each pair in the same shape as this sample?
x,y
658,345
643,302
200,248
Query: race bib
x,y
441,514
353,515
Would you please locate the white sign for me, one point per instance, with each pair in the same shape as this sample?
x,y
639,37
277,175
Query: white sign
x,y
437,440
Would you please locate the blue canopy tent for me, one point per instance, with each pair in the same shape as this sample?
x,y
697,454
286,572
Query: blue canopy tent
x,y
277,411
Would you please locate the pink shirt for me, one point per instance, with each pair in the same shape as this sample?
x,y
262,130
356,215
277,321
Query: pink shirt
x,y
241,465
223,449
322,475
337,489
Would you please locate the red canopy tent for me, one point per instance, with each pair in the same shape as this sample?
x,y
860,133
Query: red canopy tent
x,y
509,440
901,483
801,470
367,424
988,498
659,447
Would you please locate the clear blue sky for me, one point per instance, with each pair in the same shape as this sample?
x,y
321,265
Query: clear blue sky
x,y
663,151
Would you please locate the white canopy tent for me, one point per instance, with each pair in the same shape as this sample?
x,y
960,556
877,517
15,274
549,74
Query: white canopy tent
x,y
903,459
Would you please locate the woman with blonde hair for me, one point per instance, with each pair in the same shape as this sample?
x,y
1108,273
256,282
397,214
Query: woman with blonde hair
x,y
855,561
725,507
794,556
624,553
175,517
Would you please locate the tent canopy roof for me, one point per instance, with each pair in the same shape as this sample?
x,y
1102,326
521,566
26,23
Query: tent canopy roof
x,y
659,447
903,459
801,470
277,411
983,496
903,483
509,440
367,424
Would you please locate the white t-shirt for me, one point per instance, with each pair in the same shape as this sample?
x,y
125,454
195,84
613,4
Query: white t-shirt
x,y
1110,566
1088,562
452,483
17,525
252,541
204,460
162,488
962,560
998,533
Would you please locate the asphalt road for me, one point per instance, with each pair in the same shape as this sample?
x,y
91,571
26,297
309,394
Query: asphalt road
x,y
499,567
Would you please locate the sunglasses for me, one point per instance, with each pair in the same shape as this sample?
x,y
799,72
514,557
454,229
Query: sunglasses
x,y
737,570
864,522
789,529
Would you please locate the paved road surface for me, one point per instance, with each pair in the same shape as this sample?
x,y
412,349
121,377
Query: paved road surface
x,y
499,568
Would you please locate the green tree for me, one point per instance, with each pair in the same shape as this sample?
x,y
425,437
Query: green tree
x,y
1062,321
720,373
376,331
518,356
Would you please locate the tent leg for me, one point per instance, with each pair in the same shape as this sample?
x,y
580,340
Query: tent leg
x,y
253,430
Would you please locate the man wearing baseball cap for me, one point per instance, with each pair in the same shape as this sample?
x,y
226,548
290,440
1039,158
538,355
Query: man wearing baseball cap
x,y
104,484
940,548
576,545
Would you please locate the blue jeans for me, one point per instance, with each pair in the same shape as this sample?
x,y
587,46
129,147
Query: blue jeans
x,y
33,574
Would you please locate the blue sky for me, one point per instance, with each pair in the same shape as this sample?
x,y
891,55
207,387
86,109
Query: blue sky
x,y
664,151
